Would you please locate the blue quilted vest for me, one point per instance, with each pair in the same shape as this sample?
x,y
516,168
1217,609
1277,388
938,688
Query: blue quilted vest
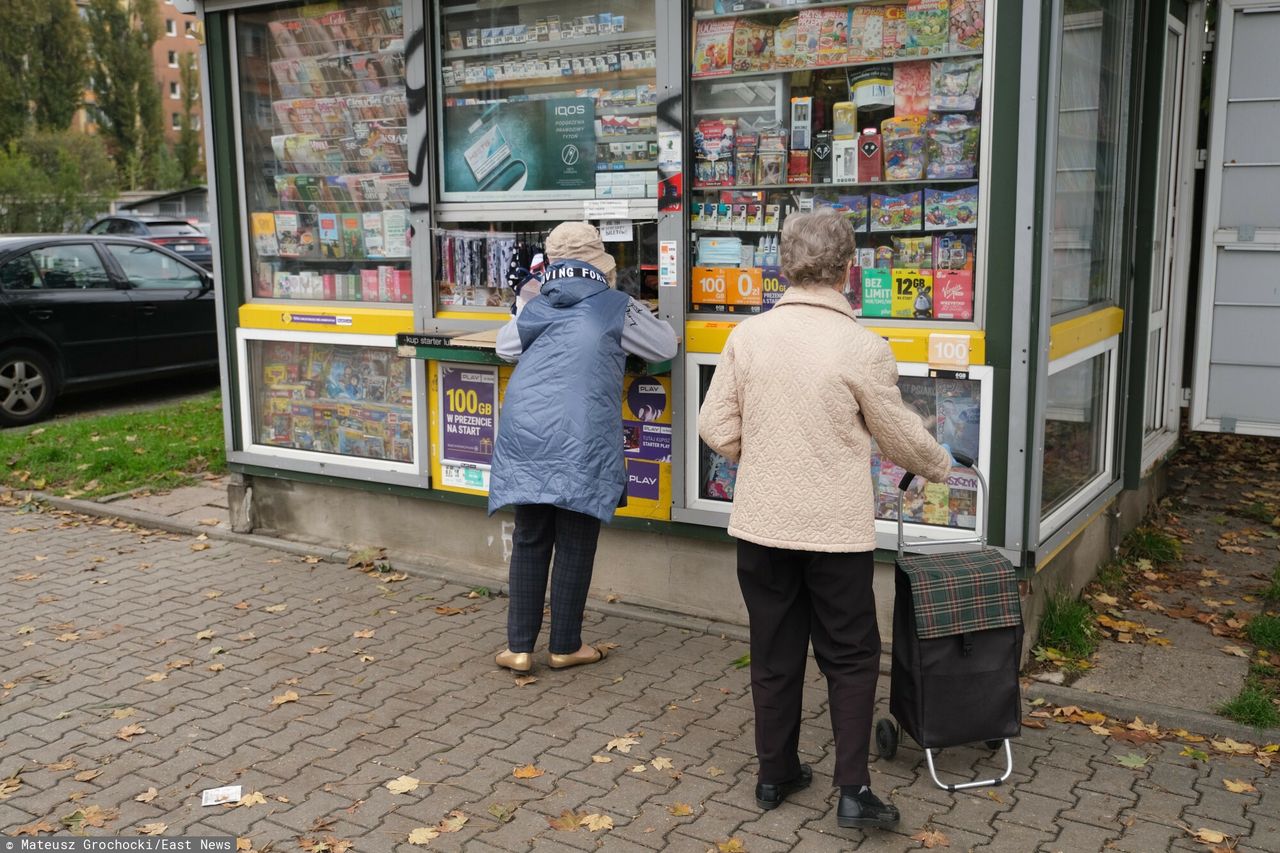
x,y
560,427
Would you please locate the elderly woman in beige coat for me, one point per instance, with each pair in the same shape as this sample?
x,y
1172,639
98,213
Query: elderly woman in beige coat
x,y
796,399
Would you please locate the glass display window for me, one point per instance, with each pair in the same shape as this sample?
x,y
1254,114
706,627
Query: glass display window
x,y
323,123
324,397
474,260
951,406
548,101
873,110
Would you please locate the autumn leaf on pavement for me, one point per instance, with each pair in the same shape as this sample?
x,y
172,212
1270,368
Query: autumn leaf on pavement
x,y
65,764
713,772
638,768
10,785
36,828
568,821
526,771
733,845
503,812
1204,835
156,677
601,759
525,680
287,696
1192,752
87,775
423,835
1133,761
153,828
455,821
931,838
127,733
621,744
1239,786
147,795
1234,650
199,546
1232,747
597,822
328,844
363,634
275,608
205,635
661,763
94,816
253,799
680,809
402,785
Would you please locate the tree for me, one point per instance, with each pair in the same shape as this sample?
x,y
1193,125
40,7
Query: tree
x,y
60,68
187,149
122,33
54,181
15,37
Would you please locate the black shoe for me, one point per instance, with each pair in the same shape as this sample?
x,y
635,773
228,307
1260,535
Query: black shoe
x,y
865,811
771,796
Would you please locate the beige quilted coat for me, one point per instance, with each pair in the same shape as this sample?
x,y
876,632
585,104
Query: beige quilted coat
x,y
795,400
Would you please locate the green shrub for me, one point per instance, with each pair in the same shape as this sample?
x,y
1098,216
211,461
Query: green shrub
x,y
1068,626
1147,543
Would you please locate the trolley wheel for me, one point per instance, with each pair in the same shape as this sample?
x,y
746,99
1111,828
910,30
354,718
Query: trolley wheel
x,y
886,738
993,744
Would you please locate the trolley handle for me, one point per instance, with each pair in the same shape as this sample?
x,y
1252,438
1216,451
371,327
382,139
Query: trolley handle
x,y
964,461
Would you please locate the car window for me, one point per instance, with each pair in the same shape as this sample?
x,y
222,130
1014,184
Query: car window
x,y
175,229
101,227
20,274
148,269
70,267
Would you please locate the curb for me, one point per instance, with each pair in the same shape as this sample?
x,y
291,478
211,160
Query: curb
x,y
424,570
1167,716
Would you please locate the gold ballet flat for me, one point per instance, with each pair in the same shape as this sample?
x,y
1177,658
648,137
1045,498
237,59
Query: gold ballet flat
x,y
577,658
514,661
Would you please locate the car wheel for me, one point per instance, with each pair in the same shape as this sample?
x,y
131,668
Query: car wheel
x,y
27,387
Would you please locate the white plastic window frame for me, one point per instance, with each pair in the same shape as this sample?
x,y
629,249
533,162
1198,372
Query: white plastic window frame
x,y
1085,494
332,462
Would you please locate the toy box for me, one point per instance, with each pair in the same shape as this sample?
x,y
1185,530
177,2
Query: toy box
x,y
798,171
951,147
925,28
903,141
953,252
895,212
856,209
713,48
948,209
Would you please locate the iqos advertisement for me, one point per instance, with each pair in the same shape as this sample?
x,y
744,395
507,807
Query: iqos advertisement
x,y
520,149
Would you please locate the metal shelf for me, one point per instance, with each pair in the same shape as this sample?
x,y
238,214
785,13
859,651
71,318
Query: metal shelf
x,y
784,9
562,44
864,185
567,82
737,75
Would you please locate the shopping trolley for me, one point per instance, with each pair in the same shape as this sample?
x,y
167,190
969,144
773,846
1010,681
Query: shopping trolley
x,y
957,640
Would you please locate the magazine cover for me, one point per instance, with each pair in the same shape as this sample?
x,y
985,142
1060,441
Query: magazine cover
x,y
713,48
960,415
395,232
287,238
911,88
308,239
833,36
371,224
352,230
263,227
330,236
920,395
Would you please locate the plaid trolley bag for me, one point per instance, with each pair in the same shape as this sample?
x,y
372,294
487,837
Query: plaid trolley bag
x,y
957,639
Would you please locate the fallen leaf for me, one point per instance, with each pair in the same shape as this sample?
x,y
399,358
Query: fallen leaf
x,y
68,637
402,785
210,522
733,845
1232,747
1207,836
445,610
1239,786
206,634
423,835
153,828
275,608
503,812
363,634
287,696
127,733
455,821
1192,752
1100,730
680,809
244,845
10,785
525,680
254,799
526,771
931,838
199,546
601,759
713,772
87,775
638,768
1106,600
65,764
661,763
621,744
597,822
178,663
36,828
1235,650
568,821
317,650
243,605
1133,760
147,795
311,559
215,667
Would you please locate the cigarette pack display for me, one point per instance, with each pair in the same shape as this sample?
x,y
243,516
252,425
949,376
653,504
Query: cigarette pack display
x,y
953,294
912,293
263,227
955,85
951,146
895,212
903,145
713,48
953,252
877,292
870,161
925,28
948,209
911,81
967,25
866,33
330,231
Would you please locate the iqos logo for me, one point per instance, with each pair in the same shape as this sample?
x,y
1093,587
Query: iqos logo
x,y
571,110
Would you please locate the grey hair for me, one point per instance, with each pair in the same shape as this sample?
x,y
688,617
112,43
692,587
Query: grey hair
x,y
817,248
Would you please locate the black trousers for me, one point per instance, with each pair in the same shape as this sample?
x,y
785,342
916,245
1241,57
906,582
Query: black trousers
x,y
793,597
540,528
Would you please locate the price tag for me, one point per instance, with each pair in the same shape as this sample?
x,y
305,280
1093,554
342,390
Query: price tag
x,y
709,285
743,286
948,352
616,231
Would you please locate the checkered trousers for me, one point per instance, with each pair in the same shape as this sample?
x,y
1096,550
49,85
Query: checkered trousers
x,y
540,529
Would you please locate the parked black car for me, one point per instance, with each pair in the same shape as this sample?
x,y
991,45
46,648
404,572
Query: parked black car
x,y
177,235
79,311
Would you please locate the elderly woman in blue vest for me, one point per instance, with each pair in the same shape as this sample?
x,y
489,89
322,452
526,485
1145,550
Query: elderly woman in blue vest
x,y
558,458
